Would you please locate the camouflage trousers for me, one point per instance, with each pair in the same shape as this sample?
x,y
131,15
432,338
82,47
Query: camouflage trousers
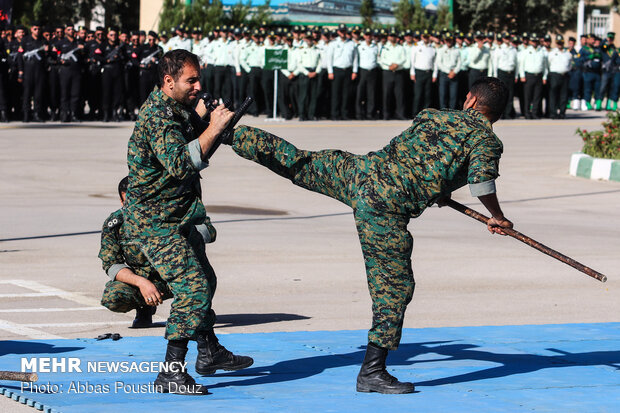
x,y
121,297
182,263
386,243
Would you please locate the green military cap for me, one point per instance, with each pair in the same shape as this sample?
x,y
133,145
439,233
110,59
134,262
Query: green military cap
x,y
393,32
296,28
425,33
217,28
325,31
515,39
611,35
272,33
547,38
357,29
408,32
164,33
525,35
460,35
368,31
572,39
153,34
236,31
590,36
383,32
559,38
448,36
279,31
342,27
309,33
490,35
500,36
255,32
478,34
534,37
417,33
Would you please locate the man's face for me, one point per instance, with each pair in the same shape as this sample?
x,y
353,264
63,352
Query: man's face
x,y
186,87
99,35
82,33
47,35
58,33
134,39
69,31
141,39
123,37
151,41
34,30
90,37
571,44
112,36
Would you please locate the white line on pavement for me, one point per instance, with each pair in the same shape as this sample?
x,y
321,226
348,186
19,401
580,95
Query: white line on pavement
x,y
37,310
27,331
43,290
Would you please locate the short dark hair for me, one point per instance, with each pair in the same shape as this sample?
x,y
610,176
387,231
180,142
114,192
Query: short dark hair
x,y
122,186
172,63
492,96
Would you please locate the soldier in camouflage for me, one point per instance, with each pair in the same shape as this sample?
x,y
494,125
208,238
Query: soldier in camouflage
x,y
441,152
132,284
164,214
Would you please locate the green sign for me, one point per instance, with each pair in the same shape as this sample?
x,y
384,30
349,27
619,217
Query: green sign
x,y
276,59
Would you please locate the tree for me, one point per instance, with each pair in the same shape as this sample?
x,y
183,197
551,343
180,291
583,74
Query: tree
x,y
404,14
525,15
419,21
444,17
262,15
172,14
367,11
239,13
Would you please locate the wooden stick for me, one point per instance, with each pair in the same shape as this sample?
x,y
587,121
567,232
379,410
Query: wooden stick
x,y
18,376
529,241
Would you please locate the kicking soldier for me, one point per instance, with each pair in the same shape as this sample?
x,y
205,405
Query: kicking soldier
x,y
441,152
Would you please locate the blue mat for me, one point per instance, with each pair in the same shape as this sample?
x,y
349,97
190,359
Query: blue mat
x,y
560,368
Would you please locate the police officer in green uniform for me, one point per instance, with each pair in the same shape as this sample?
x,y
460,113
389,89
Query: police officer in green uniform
x,y
167,150
441,152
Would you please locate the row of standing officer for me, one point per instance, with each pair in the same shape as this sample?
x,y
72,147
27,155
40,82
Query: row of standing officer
x,y
56,75
408,71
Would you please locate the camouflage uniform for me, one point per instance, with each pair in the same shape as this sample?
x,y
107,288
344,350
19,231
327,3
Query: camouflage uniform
x,y
440,152
164,211
119,296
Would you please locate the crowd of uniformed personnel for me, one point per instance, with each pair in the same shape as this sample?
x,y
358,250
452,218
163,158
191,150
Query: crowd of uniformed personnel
x,y
68,75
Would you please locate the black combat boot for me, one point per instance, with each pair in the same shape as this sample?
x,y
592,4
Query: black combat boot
x,y
213,356
4,117
176,379
73,117
373,376
144,317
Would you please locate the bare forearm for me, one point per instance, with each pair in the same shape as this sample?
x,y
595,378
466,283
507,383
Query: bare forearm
x,y
492,204
129,277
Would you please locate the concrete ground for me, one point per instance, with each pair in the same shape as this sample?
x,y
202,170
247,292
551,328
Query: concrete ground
x,y
288,259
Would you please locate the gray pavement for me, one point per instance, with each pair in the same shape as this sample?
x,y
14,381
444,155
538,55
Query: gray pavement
x,y
288,259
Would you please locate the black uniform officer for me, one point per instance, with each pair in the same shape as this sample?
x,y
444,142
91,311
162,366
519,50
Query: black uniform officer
x,y
149,58
32,63
70,60
113,61
132,75
94,50
4,74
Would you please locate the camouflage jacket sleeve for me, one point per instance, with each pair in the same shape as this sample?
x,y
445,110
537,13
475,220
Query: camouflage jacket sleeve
x,y
207,230
180,158
484,165
110,253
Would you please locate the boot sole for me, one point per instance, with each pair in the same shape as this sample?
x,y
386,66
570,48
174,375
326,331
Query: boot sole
x,y
213,370
363,389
